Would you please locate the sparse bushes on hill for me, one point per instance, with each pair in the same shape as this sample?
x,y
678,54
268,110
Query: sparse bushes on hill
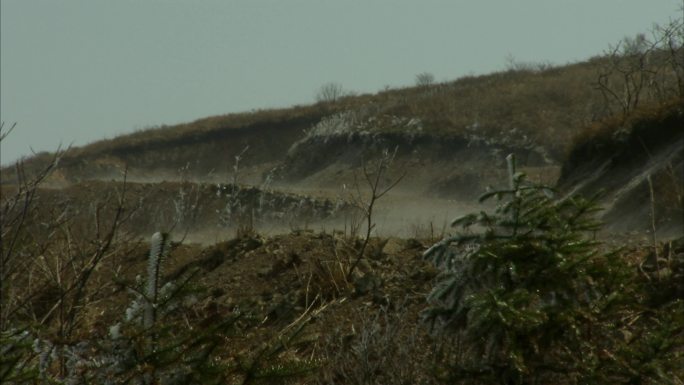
x,y
515,65
640,69
164,337
60,276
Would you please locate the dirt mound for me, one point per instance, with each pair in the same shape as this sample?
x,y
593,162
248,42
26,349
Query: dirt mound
x,y
304,265
277,279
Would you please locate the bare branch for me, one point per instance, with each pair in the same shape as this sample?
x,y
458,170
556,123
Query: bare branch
x,y
374,183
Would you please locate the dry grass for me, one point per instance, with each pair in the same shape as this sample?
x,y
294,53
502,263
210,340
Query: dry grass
x,y
644,129
538,106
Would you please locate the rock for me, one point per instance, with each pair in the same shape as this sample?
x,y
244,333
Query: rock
x,y
393,246
374,250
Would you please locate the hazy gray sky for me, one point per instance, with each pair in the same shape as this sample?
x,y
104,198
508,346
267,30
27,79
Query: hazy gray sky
x,y
78,71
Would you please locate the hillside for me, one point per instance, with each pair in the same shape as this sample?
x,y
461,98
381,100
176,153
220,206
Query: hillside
x,y
637,166
317,244
535,112
450,140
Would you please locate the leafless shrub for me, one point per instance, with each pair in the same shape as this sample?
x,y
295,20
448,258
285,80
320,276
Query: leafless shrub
x,y
330,93
187,203
353,220
425,79
327,277
3,132
512,64
48,256
18,210
376,179
236,213
387,348
641,68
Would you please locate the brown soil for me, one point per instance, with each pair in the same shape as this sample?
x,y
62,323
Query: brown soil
x,y
282,280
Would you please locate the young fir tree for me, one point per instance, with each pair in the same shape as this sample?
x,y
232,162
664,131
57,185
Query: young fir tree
x,y
520,288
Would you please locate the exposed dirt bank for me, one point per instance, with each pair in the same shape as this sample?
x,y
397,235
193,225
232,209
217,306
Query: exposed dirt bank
x,y
639,165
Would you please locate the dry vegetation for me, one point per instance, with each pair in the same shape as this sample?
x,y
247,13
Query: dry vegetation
x,y
521,293
286,309
546,107
536,107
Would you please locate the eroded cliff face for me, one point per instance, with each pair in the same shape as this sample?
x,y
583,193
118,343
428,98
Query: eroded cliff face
x,y
457,166
637,167
319,150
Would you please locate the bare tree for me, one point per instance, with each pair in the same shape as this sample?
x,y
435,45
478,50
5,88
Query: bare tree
x,y
376,181
330,93
425,79
49,253
673,44
642,67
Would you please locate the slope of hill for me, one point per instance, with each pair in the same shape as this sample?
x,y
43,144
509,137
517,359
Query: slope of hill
x,y
450,139
638,163
278,259
536,112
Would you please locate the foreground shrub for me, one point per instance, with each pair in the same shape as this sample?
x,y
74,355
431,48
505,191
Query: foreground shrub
x,y
387,348
522,289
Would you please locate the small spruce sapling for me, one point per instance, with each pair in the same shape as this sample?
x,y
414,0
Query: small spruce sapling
x,y
520,287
